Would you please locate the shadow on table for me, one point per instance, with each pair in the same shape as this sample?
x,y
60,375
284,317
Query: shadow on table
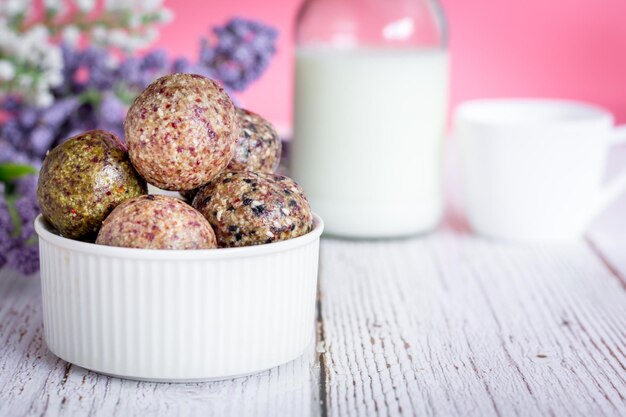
x,y
453,221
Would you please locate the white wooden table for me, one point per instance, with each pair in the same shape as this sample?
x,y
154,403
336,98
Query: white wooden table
x,y
447,325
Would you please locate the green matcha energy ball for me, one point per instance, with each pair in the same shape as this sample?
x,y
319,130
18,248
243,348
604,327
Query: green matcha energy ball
x,y
83,180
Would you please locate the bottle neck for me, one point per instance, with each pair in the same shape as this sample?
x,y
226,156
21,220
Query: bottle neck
x,y
379,23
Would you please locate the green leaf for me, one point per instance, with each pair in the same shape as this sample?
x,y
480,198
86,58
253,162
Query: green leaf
x,y
93,97
10,171
15,217
124,94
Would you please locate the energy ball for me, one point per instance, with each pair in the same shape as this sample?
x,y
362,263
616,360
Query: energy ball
x,y
258,147
188,195
181,131
83,180
156,222
252,208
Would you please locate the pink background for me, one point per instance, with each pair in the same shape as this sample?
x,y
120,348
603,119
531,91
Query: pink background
x,y
558,48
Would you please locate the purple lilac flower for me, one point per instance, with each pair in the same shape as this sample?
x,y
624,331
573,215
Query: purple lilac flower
x,y
26,205
27,186
9,154
41,138
111,109
55,115
24,259
207,53
136,73
241,54
244,54
21,251
11,104
28,117
94,90
13,133
130,71
182,65
111,114
43,133
94,93
154,60
153,65
101,71
71,62
6,228
27,210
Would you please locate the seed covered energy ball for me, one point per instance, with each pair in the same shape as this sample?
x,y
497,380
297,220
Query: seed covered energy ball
x,y
83,180
250,208
258,147
181,131
188,195
156,222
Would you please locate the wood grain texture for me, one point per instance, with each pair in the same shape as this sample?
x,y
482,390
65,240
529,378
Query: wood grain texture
x,y
454,325
445,325
33,382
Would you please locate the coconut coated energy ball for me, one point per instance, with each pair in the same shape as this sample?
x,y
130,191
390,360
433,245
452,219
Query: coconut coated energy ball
x,y
250,208
181,131
156,222
83,180
258,147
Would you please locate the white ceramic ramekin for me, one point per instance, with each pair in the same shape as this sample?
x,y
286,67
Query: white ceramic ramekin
x,y
165,315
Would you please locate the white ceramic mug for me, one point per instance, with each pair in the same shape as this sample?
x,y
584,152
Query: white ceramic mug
x,y
533,169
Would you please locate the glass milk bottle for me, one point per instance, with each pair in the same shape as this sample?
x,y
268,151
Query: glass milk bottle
x,y
370,106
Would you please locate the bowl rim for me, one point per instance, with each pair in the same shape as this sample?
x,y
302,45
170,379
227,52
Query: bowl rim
x,y
47,233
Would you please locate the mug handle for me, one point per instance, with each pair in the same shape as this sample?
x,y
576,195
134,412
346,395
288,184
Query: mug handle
x,y
610,191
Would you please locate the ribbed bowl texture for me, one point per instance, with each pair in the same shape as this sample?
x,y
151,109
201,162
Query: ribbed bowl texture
x,y
165,315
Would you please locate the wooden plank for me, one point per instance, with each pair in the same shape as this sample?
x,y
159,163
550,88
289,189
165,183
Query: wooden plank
x,y
455,325
33,382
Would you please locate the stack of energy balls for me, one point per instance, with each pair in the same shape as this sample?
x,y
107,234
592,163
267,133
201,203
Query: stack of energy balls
x,y
183,133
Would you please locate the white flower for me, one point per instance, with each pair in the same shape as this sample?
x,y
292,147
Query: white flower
x,y
138,40
14,8
151,35
117,37
39,33
25,81
165,15
53,75
85,6
40,63
54,6
71,35
43,99
150,5
114,5
134,21
34,63
99,34
7,70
